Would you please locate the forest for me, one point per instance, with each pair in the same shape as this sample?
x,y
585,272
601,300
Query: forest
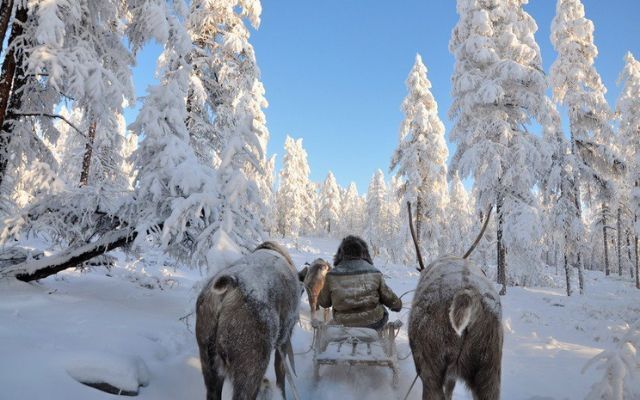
x,y
171,198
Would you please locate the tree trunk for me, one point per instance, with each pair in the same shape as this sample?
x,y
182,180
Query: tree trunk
x,y
418,218
604,237
576,202
42,268
6,7
555,256
619,242
9,62
501,270
567,270
629,256
635,220
88,151
12,79
636,251
580,273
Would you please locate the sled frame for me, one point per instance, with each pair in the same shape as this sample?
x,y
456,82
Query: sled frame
x,y
349,347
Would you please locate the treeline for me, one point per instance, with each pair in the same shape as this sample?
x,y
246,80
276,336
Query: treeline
x,y
191,173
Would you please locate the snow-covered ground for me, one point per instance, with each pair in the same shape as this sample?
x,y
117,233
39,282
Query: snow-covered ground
x,y
124,325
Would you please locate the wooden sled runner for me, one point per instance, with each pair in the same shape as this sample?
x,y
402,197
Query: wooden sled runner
x,y
338,344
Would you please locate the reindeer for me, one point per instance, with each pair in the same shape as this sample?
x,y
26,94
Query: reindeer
x,y
243,313
455,327
313,277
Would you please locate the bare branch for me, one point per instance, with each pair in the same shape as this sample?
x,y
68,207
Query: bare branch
x,y
40,114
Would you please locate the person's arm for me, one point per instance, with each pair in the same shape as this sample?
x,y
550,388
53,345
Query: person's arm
x,y
324,298
388,298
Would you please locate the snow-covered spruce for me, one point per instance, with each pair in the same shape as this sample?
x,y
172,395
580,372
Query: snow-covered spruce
x,y
376,211
577,85
498,87
330,200
296,200
628,108
352,212
420,161
459,214
225,83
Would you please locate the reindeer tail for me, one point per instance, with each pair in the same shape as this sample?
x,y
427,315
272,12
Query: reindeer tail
x,y
463,310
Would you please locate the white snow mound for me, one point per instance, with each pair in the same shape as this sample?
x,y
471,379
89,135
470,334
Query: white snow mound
x,y
124,372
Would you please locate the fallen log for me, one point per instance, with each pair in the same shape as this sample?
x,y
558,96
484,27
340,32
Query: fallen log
x,y
38,269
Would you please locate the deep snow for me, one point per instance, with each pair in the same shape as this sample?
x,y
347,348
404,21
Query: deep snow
x,y
126,323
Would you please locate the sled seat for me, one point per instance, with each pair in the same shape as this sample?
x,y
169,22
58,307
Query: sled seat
x,y
338,344
338,333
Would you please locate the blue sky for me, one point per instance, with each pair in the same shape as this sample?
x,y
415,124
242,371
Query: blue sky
x,y
334,70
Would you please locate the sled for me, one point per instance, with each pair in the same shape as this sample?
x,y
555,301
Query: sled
x,y
341,345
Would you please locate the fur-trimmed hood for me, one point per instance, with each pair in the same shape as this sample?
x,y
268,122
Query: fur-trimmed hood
x,y
354,267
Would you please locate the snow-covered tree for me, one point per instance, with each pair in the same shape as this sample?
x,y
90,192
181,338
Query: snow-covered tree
x,y
174,188
224,110
313,194
420,159
376,213
70,146
397,236
330,206
224,66
563,216
498,87
269,194
577,85
198,214
351,211
628,108
459,215
296,207
74,51
575,82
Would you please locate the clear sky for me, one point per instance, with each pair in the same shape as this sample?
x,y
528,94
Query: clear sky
x,y
334,70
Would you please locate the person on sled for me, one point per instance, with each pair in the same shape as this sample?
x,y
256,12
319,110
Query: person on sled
x,y
356,289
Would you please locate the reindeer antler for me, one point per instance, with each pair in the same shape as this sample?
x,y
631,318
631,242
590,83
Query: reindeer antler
x,y
415,239
484,227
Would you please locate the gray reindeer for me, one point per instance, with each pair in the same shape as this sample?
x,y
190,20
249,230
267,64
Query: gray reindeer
x,y
455,327
313,277
242,314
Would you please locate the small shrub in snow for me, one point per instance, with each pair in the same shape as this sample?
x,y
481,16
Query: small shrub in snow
x,y
621,369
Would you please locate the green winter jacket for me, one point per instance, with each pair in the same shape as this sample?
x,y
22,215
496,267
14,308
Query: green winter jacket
x,y
357,292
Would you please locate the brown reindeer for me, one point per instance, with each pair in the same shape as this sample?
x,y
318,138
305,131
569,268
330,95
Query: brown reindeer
x,y
455,328
313,277
242,314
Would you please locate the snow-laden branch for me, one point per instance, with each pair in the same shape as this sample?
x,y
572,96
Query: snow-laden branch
x,y
38,269
41,114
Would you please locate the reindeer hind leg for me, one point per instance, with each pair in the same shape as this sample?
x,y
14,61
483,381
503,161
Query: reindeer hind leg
x,y
278,365
213,382
246,383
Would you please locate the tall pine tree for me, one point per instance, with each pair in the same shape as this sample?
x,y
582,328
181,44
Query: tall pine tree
x,y
420,160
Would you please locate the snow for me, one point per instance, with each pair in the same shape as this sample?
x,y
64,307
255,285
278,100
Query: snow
x,y
107,323
121,372
223,253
